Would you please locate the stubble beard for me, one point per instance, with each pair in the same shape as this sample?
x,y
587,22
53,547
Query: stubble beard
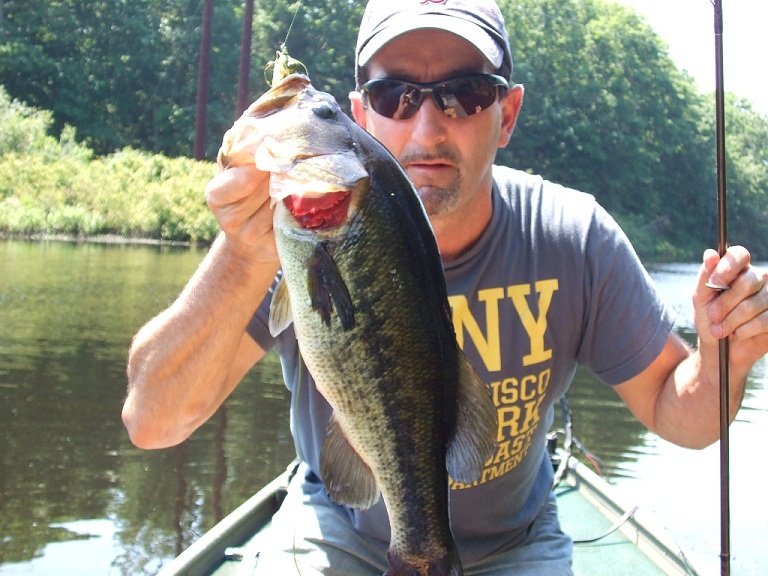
x,y
440,198
439,201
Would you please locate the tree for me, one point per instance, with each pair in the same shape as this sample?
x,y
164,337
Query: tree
x,y
323,37
203,79
124,72
605,110
244,71
747,175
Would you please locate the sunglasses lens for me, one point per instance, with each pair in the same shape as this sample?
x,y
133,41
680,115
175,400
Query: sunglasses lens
x,y
394,99
464,97
457,97
475,95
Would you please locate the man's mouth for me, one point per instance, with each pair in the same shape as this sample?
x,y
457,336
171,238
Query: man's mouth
x,y
428,166
430,173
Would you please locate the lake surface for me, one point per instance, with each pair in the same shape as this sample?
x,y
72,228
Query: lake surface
x,y
76,498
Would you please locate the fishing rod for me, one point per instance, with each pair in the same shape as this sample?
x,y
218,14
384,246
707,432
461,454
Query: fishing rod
x,y
722,246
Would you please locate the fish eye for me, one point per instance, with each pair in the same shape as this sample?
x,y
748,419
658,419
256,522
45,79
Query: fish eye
x,y
324,110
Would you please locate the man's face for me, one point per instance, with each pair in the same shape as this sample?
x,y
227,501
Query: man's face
x,y
448,159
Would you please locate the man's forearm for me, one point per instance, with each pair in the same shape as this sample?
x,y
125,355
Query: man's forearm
x,y
688,409
179,363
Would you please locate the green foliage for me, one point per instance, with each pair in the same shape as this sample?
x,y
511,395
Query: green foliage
x,y
26,129
323,37
123,72
747,176
21,126
605,110
129,193
56,187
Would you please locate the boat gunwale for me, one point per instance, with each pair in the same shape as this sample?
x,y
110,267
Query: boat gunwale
x,y
641,528
207,554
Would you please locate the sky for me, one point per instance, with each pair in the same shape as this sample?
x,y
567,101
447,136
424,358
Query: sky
x,y
687,26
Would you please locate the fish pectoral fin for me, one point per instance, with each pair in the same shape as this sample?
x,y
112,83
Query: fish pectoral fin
x,y
280,315
474,439
327,290
347,478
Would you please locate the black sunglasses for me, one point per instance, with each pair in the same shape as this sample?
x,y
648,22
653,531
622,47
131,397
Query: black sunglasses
x,y
457,97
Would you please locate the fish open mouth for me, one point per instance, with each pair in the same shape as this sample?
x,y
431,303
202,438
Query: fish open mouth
x,y
325,210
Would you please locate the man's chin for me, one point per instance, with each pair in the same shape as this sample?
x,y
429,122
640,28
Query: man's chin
x,y
437,201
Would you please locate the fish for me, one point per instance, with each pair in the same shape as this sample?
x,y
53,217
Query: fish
x,y
363,285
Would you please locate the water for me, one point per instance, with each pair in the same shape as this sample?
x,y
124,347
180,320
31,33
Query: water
x,y
683,486
77,498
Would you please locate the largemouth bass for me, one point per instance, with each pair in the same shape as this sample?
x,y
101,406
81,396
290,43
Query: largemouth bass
x,y
363,285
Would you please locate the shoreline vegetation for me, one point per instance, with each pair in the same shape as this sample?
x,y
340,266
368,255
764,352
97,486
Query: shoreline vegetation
x,y
99,239
57,189
98,117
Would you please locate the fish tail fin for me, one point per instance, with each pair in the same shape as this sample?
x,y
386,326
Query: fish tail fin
x,y
447,565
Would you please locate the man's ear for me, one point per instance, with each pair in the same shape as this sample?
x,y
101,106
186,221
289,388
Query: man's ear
x,y
510,110
358,110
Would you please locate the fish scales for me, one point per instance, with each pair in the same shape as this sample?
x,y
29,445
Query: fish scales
x,y
363,285
388,378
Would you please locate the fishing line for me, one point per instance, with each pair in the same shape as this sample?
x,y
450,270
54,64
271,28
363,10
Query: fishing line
x,y
290,26
284,65
618,524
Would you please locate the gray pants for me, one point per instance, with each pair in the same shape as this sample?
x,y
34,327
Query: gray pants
x,y
309,537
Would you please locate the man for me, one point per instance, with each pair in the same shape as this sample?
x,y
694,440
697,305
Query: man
x,y
539,278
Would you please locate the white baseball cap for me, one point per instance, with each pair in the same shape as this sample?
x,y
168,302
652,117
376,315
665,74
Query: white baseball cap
x,y
480,22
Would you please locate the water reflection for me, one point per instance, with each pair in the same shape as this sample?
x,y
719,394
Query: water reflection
x,y
77,498
68,313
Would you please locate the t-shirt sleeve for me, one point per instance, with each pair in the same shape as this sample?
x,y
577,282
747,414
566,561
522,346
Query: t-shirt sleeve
x,y
626,323
258,327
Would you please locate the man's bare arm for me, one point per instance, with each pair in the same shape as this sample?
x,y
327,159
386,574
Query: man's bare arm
x,y
678,395
184,362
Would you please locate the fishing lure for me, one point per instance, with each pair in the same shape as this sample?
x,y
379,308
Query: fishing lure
x,y
283,65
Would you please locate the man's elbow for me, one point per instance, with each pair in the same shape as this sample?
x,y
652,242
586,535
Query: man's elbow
x,y
140,435
690,439
148,433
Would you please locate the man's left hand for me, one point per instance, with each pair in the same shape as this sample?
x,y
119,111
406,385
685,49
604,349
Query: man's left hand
x,y
740,312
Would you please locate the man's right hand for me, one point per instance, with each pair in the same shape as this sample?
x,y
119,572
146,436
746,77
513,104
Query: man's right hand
x,y
239,198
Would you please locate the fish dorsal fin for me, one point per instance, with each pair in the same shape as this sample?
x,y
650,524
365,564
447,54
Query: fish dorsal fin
x,y
474,438
280,315
348,480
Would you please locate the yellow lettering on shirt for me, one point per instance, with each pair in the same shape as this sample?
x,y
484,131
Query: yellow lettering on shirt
x,y
518,399
535,327
487,346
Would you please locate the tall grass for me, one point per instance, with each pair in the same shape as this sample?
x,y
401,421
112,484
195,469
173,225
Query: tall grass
x,y
56,186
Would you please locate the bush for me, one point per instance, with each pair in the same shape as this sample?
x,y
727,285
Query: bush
x,y
50,186
22,128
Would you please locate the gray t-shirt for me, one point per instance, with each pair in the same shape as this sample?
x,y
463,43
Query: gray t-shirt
x,y
552,282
